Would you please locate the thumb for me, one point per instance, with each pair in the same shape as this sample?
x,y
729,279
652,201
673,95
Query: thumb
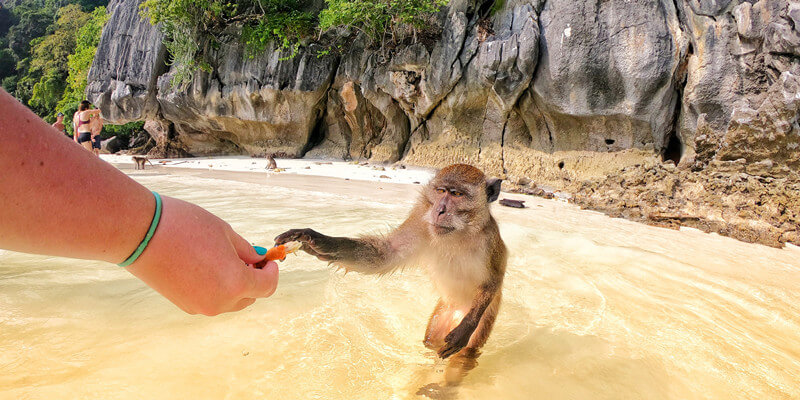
x,y
245,250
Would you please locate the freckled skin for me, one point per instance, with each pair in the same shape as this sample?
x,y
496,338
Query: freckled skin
x,y
452,232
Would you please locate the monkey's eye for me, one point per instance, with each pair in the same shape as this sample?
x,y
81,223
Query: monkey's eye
x,y
456,193
441,190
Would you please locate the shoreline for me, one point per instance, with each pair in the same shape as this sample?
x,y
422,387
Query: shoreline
x,y
347,178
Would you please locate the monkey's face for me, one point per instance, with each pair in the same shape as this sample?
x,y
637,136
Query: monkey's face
x,y
458,198
452,208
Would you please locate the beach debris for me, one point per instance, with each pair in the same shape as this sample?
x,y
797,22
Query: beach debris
x,y
307,167
277,253
379,168
279,170
416,182
324,163
513,203
245,353
385,177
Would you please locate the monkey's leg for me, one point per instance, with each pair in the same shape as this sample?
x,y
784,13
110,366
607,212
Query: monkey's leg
x,y
434,334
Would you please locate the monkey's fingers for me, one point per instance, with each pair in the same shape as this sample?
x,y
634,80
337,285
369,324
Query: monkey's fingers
x,y
449,349
454,342
299,235
310,250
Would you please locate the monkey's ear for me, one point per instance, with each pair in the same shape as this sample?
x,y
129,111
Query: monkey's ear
x,y
493,189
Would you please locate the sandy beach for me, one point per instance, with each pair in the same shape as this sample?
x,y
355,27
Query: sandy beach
x,y
359,171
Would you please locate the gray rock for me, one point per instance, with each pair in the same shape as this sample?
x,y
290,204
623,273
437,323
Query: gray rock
x,y
264,104
606,79
558,91
130,57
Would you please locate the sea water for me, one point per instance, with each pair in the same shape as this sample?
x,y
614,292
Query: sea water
x,y
594,308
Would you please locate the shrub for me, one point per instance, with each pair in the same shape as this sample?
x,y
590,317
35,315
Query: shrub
x,y
376,18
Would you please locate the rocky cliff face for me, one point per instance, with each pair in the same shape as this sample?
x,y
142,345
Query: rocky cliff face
x,y
576,95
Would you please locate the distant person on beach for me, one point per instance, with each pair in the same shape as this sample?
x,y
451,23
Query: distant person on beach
x,y
190,256
96,127
81,121
59,124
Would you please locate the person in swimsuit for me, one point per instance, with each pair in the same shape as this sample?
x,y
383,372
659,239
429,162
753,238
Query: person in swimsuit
x,y
81,121
96,127
59,124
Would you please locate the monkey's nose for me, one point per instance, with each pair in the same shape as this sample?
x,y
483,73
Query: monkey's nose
x,y
441,209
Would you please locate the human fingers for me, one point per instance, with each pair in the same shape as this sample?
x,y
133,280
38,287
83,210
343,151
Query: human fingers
x,y
244,249
264,281
242,304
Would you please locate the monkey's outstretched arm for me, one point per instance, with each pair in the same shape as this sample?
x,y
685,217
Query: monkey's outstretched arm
x,y
367,255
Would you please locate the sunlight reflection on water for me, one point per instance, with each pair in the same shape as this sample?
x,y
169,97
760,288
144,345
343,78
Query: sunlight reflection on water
x,y
593,308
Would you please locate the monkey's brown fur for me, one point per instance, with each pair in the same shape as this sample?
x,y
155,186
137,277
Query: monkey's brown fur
x,y
450,231
139,161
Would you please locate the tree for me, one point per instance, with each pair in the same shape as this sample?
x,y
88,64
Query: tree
x,y
32,23
48,66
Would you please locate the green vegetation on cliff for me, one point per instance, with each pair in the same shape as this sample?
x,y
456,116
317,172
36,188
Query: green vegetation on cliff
x,y
376,18
195,28
191,25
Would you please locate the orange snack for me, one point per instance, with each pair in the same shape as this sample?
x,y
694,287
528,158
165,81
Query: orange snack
x,y
279,252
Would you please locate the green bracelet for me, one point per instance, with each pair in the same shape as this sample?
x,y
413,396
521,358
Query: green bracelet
x,y
146,240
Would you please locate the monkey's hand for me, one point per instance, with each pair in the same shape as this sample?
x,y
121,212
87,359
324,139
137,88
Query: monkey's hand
x,y
456,340
318,245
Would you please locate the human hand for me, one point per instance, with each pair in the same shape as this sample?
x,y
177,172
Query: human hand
x,y
199,263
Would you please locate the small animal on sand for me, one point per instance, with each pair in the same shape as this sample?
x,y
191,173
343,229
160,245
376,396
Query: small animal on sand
x,y
139,161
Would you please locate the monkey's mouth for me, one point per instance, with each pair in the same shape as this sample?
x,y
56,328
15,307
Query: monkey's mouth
x,y
442,230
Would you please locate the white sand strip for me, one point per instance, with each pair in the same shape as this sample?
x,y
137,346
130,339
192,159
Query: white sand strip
x,y
335,169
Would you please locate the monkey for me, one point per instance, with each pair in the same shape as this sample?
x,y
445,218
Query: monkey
x,y
271,162
140,161
451,231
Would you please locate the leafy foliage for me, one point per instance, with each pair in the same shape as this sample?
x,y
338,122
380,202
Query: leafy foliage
x,y
48,61
38,39
377,17
32,22
285,25
189,23
194,27
122,131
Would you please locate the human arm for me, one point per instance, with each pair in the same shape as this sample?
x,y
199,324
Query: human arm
x,y
58,199
75,127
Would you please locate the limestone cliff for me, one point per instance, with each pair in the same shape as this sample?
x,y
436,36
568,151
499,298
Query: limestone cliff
x,y
583,96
